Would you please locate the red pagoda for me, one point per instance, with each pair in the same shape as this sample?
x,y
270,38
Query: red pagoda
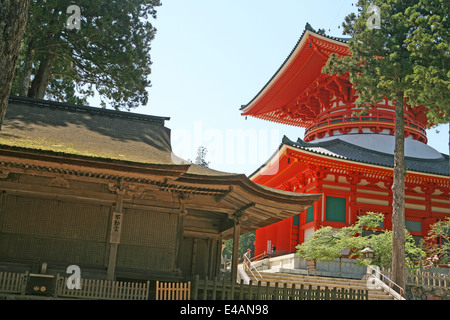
x,y
345,155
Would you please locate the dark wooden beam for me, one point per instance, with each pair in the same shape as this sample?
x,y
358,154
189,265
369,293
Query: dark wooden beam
x,y
235,255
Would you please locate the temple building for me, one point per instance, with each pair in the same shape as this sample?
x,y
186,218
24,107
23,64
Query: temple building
x,y
102,189
345,155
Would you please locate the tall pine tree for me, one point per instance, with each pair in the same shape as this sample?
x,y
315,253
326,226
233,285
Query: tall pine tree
x,y
109,54
13,20
391,61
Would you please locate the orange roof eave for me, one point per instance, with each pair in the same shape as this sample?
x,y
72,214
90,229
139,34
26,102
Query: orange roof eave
x,y
276,168
298,71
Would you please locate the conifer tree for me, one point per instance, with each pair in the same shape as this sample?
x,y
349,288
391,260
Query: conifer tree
x,y
402,56
13,20
108,54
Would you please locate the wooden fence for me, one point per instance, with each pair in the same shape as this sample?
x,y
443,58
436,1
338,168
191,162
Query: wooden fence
x,y
13,282
429,279
226,290
173,291
424,278
103,289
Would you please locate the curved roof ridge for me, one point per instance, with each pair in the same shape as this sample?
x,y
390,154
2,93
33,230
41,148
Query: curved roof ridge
x,y
376,157
307,28
337,140
88,109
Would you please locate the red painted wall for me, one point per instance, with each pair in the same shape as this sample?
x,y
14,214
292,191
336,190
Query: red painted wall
x,y
282,234
298,177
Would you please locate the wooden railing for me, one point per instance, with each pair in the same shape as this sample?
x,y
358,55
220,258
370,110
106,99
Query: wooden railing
x,y
248,267
225,290
376,278
16,283
13,282
425,278
429,279
173,291
103,289
376,116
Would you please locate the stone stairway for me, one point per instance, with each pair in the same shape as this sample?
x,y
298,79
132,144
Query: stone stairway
x,y
314,281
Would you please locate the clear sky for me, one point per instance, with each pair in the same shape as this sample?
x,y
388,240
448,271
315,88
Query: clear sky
x,y
211,56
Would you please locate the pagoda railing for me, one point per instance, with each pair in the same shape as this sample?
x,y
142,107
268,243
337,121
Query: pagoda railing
x,y
381,120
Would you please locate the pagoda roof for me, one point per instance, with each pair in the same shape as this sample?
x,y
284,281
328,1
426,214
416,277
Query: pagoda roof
x,y
301,68
343,150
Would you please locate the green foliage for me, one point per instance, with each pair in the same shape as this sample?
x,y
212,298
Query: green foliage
x,y
108,55
437,243
246,241
429,45
324,244
201,157
405,60
407,57
327,243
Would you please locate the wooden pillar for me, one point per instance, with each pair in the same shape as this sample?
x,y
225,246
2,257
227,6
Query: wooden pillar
x,y
211,256
180,241
218,256
114,239
318,210
352,209
237,217
194,257
235,256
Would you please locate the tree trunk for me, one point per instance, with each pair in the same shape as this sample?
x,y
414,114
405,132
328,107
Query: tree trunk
x,y
13,20
398,203
40,81
27,70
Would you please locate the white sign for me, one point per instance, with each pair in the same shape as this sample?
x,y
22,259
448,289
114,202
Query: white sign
x,y
74,281
116,227
374,21
74,21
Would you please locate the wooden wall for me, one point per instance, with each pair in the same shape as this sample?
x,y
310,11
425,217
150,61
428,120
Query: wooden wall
x,y
70,222
148,240
53,230
201,256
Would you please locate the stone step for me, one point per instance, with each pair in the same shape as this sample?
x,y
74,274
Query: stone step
x,y
314,281
307,279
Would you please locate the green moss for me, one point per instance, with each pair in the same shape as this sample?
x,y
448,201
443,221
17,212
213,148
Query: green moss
x,y
50,146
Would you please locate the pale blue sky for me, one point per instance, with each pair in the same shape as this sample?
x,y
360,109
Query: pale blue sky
x,y
210,57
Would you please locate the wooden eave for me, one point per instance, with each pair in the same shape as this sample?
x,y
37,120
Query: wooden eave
x,y
83,165
302,67
259,205
222,196
243,185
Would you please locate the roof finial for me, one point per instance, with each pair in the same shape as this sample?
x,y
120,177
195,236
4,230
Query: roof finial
x,y
308,27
